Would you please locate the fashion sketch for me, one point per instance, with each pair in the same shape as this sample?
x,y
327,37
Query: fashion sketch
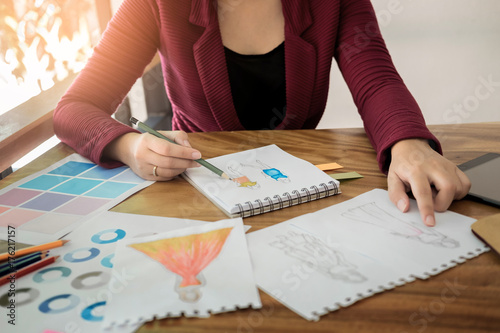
x,y
318,256
372,214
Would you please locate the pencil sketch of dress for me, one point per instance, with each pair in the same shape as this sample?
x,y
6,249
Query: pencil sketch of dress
x,y
240,179
318,256
372,214
269,172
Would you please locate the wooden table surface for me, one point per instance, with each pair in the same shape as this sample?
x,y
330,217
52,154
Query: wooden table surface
x,y
465,298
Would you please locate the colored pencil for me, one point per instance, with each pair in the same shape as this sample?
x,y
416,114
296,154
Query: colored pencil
x,y
31,249
26,270
19,264
13,261
201,161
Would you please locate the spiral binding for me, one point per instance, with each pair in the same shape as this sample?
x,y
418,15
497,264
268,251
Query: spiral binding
x,y
287,199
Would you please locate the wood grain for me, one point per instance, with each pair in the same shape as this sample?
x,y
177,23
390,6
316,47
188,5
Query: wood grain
x,y
463,299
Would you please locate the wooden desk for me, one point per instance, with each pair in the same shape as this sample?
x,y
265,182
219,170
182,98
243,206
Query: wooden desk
x,y
463,299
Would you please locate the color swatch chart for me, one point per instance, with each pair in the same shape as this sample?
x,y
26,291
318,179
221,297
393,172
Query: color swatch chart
x,y
49,204
71,294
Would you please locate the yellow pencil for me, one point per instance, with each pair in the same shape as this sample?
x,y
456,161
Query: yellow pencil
x,y
31,249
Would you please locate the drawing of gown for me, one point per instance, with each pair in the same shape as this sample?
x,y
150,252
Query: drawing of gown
x,y
241,179
317,255
372,214
269,172
186,256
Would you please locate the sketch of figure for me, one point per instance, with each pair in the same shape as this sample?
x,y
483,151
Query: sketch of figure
x,y
186,256
270,173
371,213
240,179
318,256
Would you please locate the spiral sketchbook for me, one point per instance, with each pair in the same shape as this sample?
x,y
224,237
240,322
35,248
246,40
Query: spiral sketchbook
x,y
262,180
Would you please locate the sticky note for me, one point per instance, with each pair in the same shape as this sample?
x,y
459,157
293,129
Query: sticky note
x,y
346,175
329,166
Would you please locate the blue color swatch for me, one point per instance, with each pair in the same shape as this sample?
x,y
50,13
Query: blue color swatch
x,y
72,168
44,182
110,190
102,173
77,186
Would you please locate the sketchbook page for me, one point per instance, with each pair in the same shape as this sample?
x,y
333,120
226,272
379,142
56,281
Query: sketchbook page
x,y
48,204
193,272
334,257
260,175
310,274
372,219
70,295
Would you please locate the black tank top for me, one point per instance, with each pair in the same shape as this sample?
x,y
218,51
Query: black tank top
x,y
258,87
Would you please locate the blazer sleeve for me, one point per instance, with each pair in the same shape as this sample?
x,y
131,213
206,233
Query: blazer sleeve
x,y
82,118
389,111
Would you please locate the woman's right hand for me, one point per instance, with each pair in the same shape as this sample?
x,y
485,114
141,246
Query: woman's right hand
x,y
143,152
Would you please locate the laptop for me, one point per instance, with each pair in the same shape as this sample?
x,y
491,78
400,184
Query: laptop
x,y
484,174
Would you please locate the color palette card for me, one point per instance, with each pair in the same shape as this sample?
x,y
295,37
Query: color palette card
x,y
71,294
47,205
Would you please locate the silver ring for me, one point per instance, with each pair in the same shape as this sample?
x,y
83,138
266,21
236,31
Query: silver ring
x,y
154,171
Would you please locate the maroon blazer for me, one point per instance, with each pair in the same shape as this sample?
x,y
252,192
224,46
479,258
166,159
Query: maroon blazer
x,y
187,36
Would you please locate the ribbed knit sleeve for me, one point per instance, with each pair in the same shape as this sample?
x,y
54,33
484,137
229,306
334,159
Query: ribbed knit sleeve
x,y
388,110
82,118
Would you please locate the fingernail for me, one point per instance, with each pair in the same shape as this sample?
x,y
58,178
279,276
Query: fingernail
x,y
429,221
196,155
401,205
186,143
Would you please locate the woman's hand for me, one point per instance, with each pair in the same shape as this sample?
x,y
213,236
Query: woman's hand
x,y
434,181
143,152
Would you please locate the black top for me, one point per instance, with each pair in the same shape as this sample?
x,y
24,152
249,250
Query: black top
x,y
258,87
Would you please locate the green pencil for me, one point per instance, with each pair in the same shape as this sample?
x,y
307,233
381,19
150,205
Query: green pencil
x,y
201,161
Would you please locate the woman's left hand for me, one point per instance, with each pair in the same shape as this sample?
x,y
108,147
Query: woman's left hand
x,y
434,181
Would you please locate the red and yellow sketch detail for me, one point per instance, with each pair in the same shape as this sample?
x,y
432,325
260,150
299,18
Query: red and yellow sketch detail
x,y
186,256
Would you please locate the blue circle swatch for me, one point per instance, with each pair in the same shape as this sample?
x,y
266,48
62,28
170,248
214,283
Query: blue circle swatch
x,y
106,261
118,232
93,253
65,272
87,312
45,306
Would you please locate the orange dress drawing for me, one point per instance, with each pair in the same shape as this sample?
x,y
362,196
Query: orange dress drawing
x,y
186,256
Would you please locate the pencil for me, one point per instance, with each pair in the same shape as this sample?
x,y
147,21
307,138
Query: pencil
x,y
26,270
15,261
19,264
201,161
31,249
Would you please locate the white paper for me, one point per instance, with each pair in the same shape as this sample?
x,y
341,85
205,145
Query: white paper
x,y
226,283
84,273
321,261
271,173
48,204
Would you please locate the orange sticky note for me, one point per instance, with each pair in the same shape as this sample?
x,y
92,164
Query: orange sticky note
x,y
329,166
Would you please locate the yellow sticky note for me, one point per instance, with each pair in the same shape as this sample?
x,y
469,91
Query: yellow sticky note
x,y
329,166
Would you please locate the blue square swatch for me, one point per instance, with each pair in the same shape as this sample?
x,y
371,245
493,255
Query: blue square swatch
x,y
44,182
102,173
128,177
110,190
77,186
72,168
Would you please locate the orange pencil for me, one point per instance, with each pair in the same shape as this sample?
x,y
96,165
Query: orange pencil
x,y
26,270
31,249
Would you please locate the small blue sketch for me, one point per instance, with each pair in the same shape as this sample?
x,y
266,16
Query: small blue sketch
x,y
269,172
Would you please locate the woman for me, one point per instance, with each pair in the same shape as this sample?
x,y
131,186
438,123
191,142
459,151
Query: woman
x,y
253,64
